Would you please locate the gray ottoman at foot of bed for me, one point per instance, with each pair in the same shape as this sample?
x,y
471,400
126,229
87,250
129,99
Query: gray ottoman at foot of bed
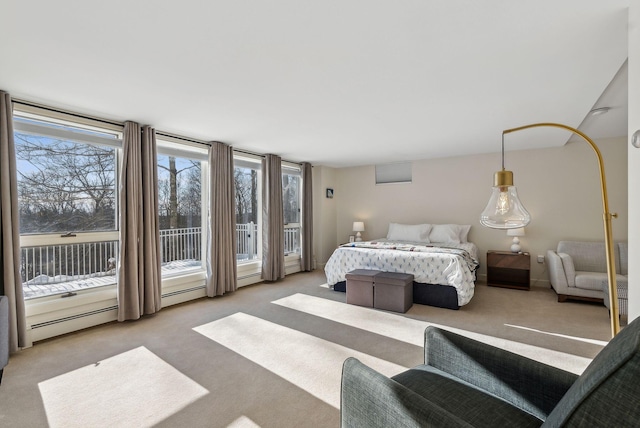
x,y
393,291
360,287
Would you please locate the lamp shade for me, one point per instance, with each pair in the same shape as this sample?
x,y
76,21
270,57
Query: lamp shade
x,y
358,226
515,232
504,210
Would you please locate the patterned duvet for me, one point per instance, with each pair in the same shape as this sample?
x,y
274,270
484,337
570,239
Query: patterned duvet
x,y
453,264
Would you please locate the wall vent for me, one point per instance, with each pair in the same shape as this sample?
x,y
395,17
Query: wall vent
x,y
393,173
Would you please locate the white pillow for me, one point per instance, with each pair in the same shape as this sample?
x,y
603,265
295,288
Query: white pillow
x,y
445,233
464,231
409,232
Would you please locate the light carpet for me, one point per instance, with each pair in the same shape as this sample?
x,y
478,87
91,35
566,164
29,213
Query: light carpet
x,y
268,355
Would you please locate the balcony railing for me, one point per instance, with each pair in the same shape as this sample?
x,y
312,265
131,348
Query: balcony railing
x,y
247,242
177,245
52,269
58,269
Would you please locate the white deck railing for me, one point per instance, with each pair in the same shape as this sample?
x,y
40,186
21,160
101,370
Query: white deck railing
x,y
46,269
180,244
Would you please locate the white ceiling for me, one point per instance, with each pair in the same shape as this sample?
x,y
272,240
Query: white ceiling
x,y
332,82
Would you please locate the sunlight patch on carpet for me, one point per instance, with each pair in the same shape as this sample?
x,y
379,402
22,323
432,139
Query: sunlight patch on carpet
x,y
380,322
135,388
310,363
402,328
602,343
243,422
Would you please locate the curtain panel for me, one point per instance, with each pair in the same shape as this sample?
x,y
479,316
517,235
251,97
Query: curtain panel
x,y
139,273
10,279
306,264
272,219
222,271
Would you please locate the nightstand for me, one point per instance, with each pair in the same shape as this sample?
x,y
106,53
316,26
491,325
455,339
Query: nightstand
x,y
507,269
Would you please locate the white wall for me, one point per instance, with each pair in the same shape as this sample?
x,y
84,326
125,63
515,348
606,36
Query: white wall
x,y
634,159
324,214
560,187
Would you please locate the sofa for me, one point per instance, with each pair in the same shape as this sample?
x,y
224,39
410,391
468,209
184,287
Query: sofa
x,y
578,269
466,383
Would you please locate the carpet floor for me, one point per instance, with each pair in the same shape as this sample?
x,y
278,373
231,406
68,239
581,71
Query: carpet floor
x,y
268,355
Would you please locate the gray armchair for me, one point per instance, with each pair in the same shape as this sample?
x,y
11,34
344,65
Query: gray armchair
x,y
4,333
465,383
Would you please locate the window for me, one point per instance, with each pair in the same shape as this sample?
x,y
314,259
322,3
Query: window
x,y
248,188
67,177
181,170
291,205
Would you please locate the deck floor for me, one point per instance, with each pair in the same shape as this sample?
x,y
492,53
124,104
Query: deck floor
x,y
43,285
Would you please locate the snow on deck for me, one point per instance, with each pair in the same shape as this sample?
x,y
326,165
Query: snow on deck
x,y
43,285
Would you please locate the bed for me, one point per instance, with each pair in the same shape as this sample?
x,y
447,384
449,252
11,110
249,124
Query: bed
x,y
443,264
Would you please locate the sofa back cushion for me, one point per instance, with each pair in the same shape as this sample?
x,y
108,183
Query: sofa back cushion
x,y
623,249
588,256
607,393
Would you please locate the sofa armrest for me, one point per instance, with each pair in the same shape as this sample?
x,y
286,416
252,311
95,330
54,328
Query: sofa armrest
x,y
527,384
370,400
569,269
557,275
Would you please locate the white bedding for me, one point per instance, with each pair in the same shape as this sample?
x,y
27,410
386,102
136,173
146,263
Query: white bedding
x,y
429,263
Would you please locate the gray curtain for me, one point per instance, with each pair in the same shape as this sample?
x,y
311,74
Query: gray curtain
x,y
272,219
10,280
307,217
222,275
139,268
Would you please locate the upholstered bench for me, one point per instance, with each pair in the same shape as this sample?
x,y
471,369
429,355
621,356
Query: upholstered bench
x,y
393,291
360,287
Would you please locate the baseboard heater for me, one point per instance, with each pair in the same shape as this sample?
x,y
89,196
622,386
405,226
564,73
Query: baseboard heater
x,y
186,290
73,317
250,275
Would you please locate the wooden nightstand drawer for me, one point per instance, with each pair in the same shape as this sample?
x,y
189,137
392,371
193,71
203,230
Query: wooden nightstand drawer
x,y
506,269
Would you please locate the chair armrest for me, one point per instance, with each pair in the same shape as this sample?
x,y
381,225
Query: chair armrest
x,y
556,270
371,400
527,384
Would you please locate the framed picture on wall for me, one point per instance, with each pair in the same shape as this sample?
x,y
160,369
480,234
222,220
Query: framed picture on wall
x,y
329,193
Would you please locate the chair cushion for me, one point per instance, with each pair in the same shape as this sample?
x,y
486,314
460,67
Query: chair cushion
x,y
472,405
607,393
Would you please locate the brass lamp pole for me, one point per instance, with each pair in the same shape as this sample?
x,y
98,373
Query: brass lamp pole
x,y
494,220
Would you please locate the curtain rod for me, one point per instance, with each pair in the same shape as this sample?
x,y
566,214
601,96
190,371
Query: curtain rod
x,y
208,143
111,122
67,112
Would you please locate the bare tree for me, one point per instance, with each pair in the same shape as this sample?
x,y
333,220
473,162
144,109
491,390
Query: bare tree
x,y
291,198
246,186
64,186
170,204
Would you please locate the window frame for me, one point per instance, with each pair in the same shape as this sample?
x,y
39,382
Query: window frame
x,y
177,147
52,239
295,170
245,160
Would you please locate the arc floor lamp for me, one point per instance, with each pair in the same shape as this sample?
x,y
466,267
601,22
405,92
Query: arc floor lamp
x,y
505,211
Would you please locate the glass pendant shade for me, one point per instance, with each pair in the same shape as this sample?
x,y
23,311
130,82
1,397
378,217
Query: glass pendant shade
x,y
504,210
